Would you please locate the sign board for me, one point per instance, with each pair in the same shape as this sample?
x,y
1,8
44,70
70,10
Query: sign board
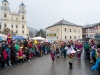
x,y
51,35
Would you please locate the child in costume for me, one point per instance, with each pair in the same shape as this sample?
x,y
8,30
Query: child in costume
x,y
52,56
52,53
21,55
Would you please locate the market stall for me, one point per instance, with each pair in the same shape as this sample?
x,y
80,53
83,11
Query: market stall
x,y
38,38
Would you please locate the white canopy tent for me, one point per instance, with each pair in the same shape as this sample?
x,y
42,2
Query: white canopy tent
x,y
4,37
37,38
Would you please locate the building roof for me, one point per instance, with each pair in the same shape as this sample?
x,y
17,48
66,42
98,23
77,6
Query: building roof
x,y
64,22
14,13
5,1
22,4
88,26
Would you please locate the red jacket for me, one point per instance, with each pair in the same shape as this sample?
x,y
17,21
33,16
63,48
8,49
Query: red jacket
x,y
30,45
20,53
5,55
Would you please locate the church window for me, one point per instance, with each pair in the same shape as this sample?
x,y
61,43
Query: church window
x,y
5,4
5,15
22,26
11,26
22,17
4,25
22,31
16,31
16,26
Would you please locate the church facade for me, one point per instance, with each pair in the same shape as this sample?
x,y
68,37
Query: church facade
x,y
16,22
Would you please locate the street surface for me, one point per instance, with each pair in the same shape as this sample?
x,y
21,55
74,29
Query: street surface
x,y
43,66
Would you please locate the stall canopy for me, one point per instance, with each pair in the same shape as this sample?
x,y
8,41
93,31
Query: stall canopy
x,y
3,37
18,38
38,38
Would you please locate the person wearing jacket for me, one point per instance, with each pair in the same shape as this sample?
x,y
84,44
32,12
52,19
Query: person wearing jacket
x,y
97,64
70,54
13,53
52,53
87,50
1,57
8,52
79,46
5,55
92,53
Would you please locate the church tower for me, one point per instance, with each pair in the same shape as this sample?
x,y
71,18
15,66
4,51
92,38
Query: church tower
x,y
5,11
23,22
22,12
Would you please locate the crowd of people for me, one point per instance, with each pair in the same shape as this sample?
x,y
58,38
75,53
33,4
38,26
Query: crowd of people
x,y
69,49
15,52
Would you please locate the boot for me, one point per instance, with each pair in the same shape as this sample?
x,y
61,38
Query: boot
x,y
9,63
5,65
69,65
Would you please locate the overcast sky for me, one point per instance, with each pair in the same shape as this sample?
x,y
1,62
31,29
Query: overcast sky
x,y
43,13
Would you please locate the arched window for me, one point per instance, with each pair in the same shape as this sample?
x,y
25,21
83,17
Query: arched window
x,y
5,25
5,15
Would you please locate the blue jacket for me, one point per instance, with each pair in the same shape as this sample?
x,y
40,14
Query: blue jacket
x,y
7,50
95,67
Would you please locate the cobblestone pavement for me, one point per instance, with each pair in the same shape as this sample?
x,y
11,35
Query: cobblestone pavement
x,y
44,66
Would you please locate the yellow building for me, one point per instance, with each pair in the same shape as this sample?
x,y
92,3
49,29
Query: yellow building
x,y
64,30
16,22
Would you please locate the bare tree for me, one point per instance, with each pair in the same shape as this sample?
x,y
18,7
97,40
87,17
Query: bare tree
x,y
31,34
6,31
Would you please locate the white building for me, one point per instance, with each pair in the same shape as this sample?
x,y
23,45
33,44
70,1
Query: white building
x,y
16,22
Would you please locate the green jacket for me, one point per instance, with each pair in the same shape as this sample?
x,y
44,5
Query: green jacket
x,y
86,46
17,47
